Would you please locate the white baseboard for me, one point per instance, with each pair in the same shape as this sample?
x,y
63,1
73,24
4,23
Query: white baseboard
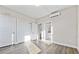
x,y
5,45
65,45
11,44
19,42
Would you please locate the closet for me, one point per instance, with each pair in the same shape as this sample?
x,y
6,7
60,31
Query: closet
x,y
14,30
7,30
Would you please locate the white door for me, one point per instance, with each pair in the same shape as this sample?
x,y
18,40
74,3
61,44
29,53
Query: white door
x,y
27,32
7,30
23,30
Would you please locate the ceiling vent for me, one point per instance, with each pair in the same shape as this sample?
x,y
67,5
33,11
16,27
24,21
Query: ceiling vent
x,y
54,14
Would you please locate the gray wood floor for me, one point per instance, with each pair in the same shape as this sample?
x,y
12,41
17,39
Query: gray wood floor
x,y
45,49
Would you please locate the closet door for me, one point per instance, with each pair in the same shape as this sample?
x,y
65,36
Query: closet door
x,y
23,30
20,30
7,30
27,31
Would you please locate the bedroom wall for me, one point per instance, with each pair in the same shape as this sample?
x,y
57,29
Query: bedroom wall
x,y
64,27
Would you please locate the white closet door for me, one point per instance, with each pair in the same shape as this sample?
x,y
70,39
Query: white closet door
x,y
7,30
27,31
20,30
23,30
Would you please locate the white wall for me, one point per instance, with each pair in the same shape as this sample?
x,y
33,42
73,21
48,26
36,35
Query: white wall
x,y
64,27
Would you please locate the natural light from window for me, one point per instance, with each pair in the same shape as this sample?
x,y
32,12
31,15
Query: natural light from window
x,y
27,38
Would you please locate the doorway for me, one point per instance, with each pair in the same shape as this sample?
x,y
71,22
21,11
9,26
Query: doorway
x,y
40,31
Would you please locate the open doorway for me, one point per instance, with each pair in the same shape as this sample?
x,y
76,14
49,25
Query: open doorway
x,y
48,31
40,31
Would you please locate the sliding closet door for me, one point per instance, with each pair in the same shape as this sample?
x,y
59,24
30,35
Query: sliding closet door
x,y
7,30
27,31
20,30
23,30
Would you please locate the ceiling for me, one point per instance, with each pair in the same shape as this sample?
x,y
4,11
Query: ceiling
x,y
36,11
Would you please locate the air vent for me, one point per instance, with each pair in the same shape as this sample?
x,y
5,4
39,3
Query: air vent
x,y
54,14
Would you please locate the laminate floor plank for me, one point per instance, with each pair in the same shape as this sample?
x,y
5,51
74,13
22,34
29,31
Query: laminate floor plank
x,y
45,49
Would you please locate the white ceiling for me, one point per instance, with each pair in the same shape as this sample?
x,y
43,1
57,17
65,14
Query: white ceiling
x,y
36,11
